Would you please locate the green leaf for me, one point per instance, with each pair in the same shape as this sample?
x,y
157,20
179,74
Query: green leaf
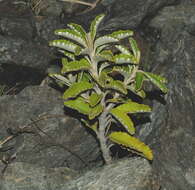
x,y
157,80
140,93
123,58
78,29
94,25
131,143
66,45
71,66
79,51
83,76
94,99
78,104
104,66
95,111
71,34
104,78
133,107
105,55
125,70
115,100
68,54
116,85
61,79
121,34
123,49
94,126
104,40
77,88
108,82
124,119
100,48
139,79
135,49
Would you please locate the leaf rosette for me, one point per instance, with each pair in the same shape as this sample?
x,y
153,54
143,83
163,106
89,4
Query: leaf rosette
x,y
100,73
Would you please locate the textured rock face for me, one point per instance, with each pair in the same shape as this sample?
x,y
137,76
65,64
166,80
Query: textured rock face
x,y
130,13
23,53
43,135
130,174
24,37
120,175
20,175
172,135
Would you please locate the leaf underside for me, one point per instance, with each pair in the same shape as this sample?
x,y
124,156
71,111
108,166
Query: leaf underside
x,y
104,40
122,49
71,56
71,34
66,45
124,58
121,34
94,25
78,29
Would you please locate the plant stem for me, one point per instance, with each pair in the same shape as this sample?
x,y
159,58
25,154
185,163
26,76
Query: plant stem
x,y
102,138
101,134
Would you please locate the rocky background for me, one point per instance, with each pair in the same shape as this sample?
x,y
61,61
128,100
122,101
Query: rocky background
x,y
43,148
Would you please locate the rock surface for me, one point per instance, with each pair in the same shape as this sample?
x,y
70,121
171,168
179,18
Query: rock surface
x,y
125,14
43,135
21,176
172,127
129,174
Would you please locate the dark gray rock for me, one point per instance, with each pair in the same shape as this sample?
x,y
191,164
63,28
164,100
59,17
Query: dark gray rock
x,y
24,37
14,8
16,27
23,176
45,7
120,14
129,14
54,140
22,53
45,28
171,133
129,174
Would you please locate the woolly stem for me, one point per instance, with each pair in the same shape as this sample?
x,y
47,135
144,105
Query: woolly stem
x,y
102,138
